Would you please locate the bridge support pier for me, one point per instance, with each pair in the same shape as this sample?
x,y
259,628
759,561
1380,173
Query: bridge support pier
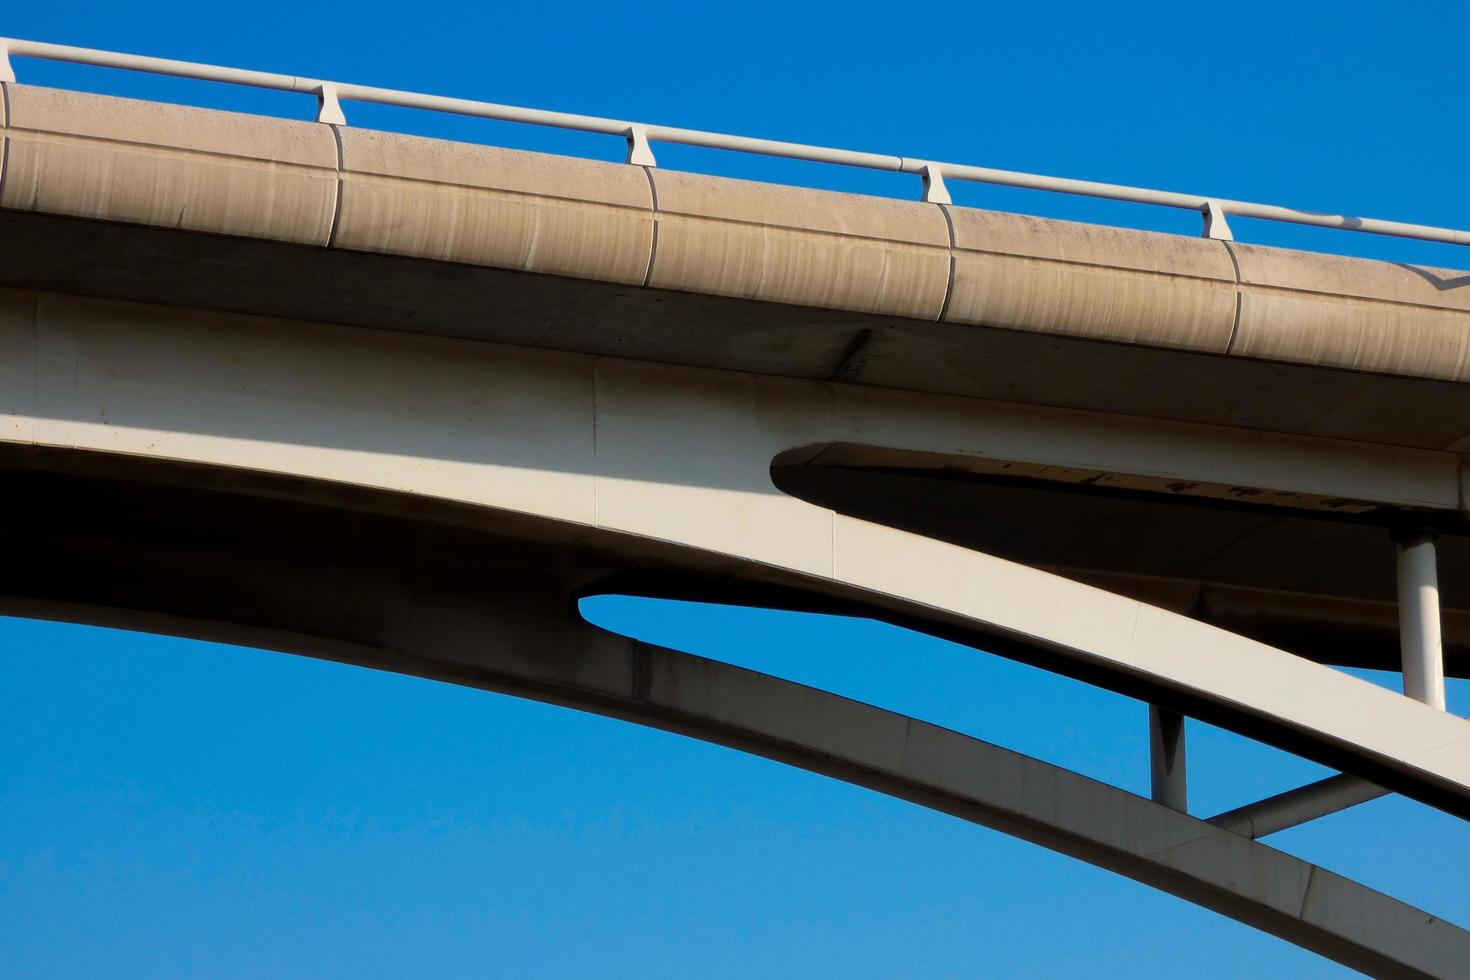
x,y
1419,628
1166,758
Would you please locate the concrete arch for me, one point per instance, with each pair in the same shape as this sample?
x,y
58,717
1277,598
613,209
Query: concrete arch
x,y
580,467
388,583
674,463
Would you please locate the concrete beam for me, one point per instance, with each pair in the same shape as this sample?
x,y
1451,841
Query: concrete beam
x,y
652,459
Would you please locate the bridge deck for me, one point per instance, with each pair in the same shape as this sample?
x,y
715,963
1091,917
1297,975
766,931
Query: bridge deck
x,y
326,222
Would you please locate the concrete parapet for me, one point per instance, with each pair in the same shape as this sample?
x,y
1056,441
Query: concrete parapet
x,y
457,202
1091,281
1367,316
799,246
122,160
109,159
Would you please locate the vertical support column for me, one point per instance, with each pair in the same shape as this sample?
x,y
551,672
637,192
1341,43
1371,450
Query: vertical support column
x,y
1419,636
1166,758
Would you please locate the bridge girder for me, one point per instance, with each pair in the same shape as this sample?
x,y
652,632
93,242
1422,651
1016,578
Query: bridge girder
x,y
659,472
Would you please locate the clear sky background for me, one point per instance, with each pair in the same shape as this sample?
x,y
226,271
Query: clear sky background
x,y
170,808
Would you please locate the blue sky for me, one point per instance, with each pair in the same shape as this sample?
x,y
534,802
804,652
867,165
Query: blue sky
x,y
175,808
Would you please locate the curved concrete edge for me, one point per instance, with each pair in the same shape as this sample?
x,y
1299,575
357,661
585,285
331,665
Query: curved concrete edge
x,y
123,160
657,459
4,133
1024,797
517,652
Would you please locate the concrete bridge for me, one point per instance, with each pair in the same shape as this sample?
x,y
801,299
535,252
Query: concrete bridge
x,y
400,402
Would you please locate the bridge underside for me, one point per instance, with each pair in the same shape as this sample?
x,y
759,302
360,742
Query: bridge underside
x,y
453,594
1321,585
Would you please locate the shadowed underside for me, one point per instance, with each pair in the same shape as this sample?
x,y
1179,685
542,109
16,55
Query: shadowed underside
x,y
441,592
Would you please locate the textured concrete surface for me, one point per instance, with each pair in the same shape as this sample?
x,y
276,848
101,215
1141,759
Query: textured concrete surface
x,y
454,202
788,245
1091,281
171,166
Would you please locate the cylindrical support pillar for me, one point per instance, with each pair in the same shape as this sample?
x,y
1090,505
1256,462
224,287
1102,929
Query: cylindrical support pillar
x,y
1166,758
1419,636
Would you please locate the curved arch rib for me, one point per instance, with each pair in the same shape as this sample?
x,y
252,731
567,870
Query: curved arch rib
x,y
460,605
578,667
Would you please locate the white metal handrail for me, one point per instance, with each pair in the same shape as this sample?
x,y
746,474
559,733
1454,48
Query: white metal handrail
x,y
639,136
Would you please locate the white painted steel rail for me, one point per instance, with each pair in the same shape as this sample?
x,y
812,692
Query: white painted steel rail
x,y
639,136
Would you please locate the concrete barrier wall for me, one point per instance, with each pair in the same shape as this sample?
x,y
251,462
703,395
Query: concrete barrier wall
x,y
122,160
456,202
90,156
791,245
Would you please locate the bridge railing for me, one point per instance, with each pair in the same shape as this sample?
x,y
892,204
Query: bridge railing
x,y
640,136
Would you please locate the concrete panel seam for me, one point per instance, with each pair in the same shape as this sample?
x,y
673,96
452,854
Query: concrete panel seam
x,y
903,753
821,233
1430,749
35,370
503,193
949,286
1160,854
1235,326
133,146
337,204
1307,891
832,549
5,142
1199,569
1058,260
1346,299
854,356
653,244
596,462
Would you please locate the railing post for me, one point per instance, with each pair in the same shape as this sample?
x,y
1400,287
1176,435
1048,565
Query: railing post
x,y
640,154
1420,647
328,109
7,72
1216,226
935,191
1168,783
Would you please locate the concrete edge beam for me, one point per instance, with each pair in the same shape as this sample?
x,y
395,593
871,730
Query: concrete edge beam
x,y
123,160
